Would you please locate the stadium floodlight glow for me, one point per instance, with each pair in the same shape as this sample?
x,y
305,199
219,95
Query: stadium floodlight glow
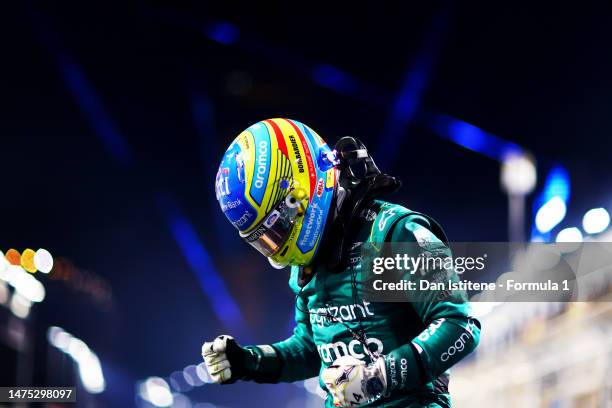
x,y
156,391
550,214
595,220
518,174
572,234
43,260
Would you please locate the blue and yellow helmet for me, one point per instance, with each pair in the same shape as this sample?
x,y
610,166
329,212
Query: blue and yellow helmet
x,y
275,184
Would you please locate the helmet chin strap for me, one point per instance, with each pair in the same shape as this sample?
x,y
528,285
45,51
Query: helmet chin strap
x,y
359,183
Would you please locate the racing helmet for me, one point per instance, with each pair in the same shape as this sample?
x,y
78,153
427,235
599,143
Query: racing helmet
x,y
275,184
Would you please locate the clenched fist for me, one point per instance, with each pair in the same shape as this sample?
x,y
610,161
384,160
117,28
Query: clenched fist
x,y
224,359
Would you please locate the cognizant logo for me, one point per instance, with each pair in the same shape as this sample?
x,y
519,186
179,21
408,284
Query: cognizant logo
x,y
331,351
458,346
326,316
403,373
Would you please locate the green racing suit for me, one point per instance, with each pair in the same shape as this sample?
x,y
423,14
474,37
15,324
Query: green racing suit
x,y
419,340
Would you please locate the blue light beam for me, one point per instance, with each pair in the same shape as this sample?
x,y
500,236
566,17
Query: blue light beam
x,y
225,307
82,90
408,99
472,137
202,111
91,106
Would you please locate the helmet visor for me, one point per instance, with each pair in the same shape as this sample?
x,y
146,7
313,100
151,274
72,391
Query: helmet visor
x,y
272,232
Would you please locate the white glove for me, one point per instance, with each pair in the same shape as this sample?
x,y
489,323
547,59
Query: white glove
x,y
216,360
351,383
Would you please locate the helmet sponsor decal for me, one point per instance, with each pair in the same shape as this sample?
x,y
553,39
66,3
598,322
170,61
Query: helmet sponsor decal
x,y
330,181
312,172
240,168
255,235
229,189
230,205
320,187
312,227
272,218
296,153
261,170
222,183
245,219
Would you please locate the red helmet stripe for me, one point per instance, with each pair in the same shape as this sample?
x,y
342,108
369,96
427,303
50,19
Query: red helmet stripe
x,y
279,137
312,173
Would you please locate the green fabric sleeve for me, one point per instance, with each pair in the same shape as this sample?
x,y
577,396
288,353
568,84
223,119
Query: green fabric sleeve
x,y
299,355
450,333
262,364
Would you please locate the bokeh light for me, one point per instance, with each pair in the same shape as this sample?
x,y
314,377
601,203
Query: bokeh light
x,y
156,391
43,260
27,260
89,367
13,256
20,306
572,234
550,214
596,220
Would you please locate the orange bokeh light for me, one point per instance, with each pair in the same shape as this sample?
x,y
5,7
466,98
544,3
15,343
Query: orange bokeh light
x,y
13,256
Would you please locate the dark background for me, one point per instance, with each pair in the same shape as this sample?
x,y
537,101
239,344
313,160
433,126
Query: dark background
x,y
172,98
